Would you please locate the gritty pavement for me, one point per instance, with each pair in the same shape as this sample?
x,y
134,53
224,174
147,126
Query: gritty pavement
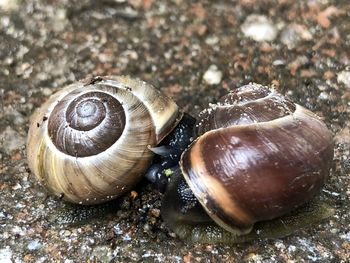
x,y
194,51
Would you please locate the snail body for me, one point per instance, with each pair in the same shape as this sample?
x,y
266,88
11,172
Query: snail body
x,y
257,157
90,141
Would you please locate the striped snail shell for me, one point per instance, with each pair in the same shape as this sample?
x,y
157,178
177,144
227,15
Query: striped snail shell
x,y
90,141
258,156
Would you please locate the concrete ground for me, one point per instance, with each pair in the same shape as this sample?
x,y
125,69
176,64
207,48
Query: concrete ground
x,y
194,52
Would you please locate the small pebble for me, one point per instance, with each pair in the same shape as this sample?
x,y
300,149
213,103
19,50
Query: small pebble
x,y
346,236
293,34
34,245
126,237
344,77
102,254
323,96
16,230
280,245
147,227
65,233
6,255
117,230
155,212
18,119
334,230
253,257
46,92
291,249
212,40
133,195
147,254
17,187
259,28
12,140
9,5
279,62
3,215
58,20
213,75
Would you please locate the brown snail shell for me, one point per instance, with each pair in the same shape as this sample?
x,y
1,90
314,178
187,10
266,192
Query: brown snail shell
x,y
258,156
90,141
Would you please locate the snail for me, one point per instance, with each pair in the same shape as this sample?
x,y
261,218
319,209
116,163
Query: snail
x,y
257,160
91,141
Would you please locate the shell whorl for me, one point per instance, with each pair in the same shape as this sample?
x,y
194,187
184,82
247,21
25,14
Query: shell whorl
x,y
90,141
86,124
248,104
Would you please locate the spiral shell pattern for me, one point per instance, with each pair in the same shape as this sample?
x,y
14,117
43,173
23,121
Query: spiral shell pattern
x,y
90,141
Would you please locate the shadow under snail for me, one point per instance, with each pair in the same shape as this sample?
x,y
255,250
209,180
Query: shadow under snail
x,y
255,161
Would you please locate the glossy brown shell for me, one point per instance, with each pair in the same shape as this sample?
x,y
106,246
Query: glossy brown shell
x,y
258,156
90,141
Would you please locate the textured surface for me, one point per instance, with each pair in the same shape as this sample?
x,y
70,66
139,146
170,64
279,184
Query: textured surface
x,y
45,45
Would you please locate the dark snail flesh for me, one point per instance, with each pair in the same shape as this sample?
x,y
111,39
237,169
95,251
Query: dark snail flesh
x,y
258,158
90,142
168,153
